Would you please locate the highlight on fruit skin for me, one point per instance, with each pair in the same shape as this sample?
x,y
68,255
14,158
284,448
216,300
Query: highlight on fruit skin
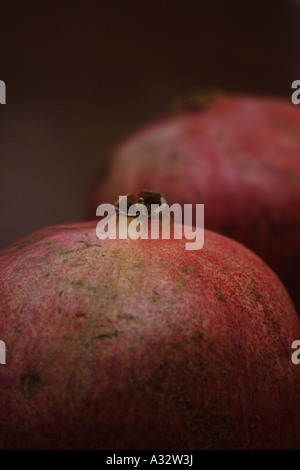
x,y
237,155
140,344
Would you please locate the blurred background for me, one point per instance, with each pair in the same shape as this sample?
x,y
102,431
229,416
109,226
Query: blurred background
x,y
82,75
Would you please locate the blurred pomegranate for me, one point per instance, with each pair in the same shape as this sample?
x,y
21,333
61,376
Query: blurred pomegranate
x,y
238,155
141,344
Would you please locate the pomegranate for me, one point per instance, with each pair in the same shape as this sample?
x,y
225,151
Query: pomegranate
x,y
240,156
141,344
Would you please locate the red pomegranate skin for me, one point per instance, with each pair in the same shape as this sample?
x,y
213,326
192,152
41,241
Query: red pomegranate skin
x,y
240,157
140,344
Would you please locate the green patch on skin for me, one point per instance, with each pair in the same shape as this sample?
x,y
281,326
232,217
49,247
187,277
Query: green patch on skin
x,y
139,265
40,260
125,317
14,273
197,337
177,345
246,166
256,291
155,296
181,282
30,384
256,295
107,335
84,341
234,148
174,157
184,405
171,299
187,269
90,245
102,289
291,178
218,137
64,252
26,243
286,351
21,311
21,245
221,297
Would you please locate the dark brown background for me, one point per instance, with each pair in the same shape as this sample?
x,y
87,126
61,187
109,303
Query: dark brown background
x,y
81,76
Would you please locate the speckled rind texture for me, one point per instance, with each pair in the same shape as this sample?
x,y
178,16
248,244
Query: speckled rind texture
x,y
140,344
240,157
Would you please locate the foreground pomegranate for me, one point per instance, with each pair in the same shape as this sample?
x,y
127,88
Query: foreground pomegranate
x,y
140,344
240,156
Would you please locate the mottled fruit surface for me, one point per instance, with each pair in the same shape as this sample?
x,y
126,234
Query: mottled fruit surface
x,y
240,156
140,344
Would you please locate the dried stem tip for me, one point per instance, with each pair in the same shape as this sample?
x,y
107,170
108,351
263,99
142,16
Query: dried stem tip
x,y
146,197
